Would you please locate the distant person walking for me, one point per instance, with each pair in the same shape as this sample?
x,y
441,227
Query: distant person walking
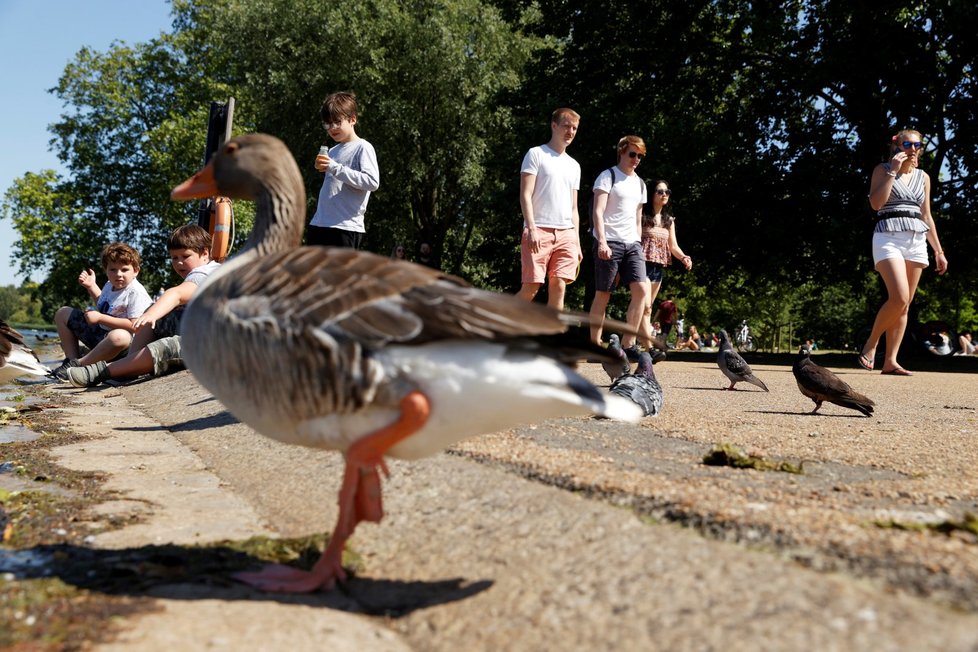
x,y
899,192
550,248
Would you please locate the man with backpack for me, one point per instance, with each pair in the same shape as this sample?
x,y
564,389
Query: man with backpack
x,y
619,194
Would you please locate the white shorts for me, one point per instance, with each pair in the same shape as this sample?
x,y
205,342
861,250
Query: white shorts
x,y
906,245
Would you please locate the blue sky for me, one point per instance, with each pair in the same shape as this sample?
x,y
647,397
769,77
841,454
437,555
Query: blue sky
x,y
37,40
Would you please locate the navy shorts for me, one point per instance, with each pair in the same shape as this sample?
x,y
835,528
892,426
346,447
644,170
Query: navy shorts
x,y
89,334
627,262
654,271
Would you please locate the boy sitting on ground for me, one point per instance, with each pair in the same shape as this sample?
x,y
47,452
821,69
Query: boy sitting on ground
x,y
107,327
152,350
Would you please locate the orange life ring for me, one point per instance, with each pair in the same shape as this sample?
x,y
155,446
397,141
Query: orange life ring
x,y
222,218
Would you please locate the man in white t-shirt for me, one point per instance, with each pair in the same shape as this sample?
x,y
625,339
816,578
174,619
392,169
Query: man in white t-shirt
x,y
619,194
550,247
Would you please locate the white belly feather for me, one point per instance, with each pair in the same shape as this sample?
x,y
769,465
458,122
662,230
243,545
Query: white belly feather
x,y
474,388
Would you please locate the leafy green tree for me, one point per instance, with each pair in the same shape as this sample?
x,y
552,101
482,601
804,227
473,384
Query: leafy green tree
x,y
428,77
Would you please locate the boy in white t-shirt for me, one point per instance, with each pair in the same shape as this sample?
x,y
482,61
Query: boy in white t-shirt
x,y
550,247
106,327
155,348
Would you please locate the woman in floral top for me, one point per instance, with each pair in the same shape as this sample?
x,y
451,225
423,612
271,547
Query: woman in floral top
x,y
659,245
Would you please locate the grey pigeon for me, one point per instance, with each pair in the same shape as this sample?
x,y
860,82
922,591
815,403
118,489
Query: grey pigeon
x,y
641,387
820,384
620,366
735,367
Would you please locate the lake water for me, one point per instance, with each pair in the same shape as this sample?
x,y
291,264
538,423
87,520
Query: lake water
x,y
12,394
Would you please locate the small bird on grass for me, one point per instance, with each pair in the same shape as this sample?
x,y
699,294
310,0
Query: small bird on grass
x,y
641,388
820,384
735,367
620,366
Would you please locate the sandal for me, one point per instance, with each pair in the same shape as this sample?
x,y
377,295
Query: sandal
x,y
899,371
865,363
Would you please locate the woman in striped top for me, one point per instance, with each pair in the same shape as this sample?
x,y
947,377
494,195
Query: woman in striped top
x,y
899,192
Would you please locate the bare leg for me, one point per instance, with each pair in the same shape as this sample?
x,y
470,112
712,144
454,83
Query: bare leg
x,y
360,500
900,279
646,326
114,343
528,291
138,361
598,306
894,334
556,290
636,310
69,343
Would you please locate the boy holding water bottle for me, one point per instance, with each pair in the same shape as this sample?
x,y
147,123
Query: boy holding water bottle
x,y
351,175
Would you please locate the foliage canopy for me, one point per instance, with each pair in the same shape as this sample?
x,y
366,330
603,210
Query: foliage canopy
x,y
765,118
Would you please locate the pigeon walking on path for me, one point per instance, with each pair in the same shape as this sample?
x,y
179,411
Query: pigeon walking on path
x,y
641,387
735,367
16,359
617,368
820,384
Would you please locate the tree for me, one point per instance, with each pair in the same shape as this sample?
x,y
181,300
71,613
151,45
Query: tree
x,y
428,77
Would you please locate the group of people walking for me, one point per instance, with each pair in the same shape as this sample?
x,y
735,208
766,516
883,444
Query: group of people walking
x,y
631,245
632,224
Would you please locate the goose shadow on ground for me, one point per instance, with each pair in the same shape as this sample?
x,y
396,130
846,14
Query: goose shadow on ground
x,y
205,572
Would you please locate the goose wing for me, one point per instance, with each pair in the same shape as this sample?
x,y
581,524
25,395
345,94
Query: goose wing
x,y
378,301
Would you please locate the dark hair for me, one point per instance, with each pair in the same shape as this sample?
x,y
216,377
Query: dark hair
x,y
189,236
667,217
119,252
339,106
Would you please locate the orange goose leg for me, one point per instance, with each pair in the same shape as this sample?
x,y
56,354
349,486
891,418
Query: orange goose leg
x,y
360,500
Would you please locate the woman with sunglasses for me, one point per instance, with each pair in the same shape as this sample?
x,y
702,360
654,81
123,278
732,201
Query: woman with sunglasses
x,y
659,245
899,192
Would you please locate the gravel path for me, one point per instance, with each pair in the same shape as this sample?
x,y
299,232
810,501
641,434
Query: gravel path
x,y
590,534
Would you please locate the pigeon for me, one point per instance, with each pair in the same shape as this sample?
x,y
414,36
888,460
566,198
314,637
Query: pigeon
x,y
820,384
617,368
15,358
735,367
641,387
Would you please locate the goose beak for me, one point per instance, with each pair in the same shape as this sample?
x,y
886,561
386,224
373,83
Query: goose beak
x,y
200,186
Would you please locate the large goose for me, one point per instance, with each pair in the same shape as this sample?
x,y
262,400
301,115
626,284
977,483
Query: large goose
x,y
16,359
345,350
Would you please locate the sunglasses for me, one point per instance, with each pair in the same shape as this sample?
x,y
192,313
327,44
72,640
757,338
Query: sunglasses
x,y
636,155
909,144
663,191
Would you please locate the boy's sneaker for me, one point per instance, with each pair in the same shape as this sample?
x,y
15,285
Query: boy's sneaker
x,y
89,375
657,356
61,372
632,353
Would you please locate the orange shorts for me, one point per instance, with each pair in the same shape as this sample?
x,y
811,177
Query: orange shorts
x,y
559,256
